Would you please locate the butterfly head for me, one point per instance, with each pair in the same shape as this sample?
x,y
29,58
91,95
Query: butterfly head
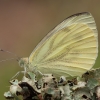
x,y
23,62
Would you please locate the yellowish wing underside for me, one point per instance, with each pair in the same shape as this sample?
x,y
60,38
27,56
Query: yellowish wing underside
x,y
71,51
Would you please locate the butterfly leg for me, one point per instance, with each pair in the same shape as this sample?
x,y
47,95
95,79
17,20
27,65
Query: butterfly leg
x,y
16,75
24,70
40,73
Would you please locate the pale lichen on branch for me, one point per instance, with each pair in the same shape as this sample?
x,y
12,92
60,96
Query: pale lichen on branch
x,y
49,87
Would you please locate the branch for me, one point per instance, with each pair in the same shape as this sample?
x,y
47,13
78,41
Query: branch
x,y
48,87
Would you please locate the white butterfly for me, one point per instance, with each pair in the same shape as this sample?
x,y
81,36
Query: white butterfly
x,y
70,49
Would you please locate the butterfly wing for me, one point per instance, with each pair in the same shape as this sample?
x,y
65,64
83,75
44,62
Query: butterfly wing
x,y
70,49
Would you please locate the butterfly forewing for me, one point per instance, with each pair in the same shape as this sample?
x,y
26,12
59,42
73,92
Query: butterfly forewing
x,y
70,49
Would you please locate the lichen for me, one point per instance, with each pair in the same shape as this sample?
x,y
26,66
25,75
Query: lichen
x,y
48,87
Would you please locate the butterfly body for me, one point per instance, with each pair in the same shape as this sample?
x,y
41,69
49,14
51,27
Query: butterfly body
x,y
24,62
70,49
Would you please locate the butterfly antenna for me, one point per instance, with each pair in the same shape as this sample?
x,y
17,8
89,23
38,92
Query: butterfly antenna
x,y
10,53
6,59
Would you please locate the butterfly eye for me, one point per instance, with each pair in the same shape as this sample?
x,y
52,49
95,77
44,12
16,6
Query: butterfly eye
x,y
21,63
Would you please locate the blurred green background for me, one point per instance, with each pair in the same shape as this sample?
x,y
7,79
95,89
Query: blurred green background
x,y
23,23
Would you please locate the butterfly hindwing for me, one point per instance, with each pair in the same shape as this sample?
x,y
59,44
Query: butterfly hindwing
x,y
70,49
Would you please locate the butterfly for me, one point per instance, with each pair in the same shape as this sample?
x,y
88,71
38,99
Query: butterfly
x,y
70,49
